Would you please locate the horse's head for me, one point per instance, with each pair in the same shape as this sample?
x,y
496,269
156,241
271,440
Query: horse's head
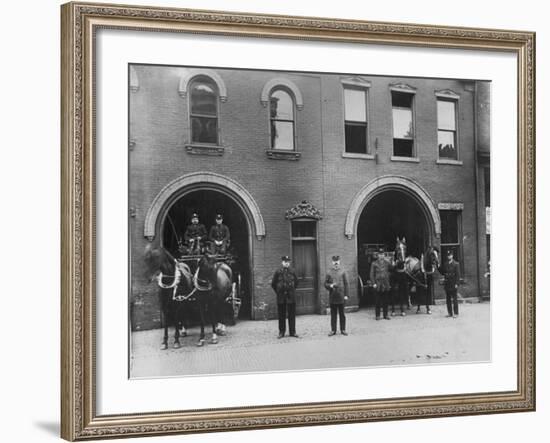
x,y
157,260
431,259
207,267
400,249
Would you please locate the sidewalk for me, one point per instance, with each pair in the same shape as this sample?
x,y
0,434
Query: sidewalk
x,y
252,346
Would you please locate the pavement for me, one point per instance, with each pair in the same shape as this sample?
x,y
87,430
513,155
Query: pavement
x,y
252,346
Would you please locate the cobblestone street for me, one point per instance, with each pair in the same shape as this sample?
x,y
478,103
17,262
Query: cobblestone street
x,y
250,346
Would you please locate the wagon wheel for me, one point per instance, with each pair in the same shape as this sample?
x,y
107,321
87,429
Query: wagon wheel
x,y
236,297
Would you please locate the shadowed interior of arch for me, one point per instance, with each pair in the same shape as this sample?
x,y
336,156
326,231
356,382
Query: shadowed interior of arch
x,y
388,215
208,203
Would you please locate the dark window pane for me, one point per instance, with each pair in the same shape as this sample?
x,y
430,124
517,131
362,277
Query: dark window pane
x,y
355,107
356,138
449,227
402,123
203,99
447,145
281,105
402,147
204,129
446,115
282,135
401,99
303,228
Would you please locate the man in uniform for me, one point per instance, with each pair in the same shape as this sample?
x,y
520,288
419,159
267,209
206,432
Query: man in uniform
x,y
336,282
451,273
380,279
219,236
194,235
284,284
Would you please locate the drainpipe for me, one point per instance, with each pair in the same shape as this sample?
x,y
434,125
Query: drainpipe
x,y
476,181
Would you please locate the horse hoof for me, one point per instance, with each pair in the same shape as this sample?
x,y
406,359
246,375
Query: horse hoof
x,y
177,345
213,342
200,343
222,333
164,347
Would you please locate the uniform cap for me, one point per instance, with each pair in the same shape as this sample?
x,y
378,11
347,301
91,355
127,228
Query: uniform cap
x,y
285,258
219,217
335,258
195,215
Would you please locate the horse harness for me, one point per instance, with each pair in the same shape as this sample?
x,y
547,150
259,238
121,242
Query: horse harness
x,y
174,285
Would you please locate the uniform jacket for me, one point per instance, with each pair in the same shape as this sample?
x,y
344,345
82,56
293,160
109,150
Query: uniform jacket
x,y
219,233
451,273
284,283
341,289
380,274
194,231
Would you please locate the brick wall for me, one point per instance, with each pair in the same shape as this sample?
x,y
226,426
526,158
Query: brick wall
x,y
160,129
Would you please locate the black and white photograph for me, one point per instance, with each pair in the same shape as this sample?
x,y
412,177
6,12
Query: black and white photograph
x,y
283,220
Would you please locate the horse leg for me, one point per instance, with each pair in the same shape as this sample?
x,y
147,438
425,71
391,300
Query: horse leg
x,y
164,344
176,328
201,312
213,319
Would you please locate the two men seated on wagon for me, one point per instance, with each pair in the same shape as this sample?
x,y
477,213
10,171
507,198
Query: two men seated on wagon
x,y
197,240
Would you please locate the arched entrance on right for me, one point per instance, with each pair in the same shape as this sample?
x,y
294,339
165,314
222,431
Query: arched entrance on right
x,y
392,214
386,208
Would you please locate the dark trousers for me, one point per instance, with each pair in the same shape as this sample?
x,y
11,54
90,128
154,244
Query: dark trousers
x,y
337,308
283,309
381,301
452,301
401,292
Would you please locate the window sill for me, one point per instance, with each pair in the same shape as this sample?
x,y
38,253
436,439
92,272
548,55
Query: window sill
x,y
448,161
279,154
212,150
395,158
357,155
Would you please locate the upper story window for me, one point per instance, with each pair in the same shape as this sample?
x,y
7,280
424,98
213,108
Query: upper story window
x,y
403,123
446,129
203,111
281,114
355,120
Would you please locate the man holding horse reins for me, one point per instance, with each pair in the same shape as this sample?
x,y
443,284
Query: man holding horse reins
x,y
284,284
380,271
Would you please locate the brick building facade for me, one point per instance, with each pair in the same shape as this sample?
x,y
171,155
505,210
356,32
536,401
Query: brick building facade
x,y
342,162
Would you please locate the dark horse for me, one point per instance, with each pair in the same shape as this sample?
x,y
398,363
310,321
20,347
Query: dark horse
x,y
399,278
175,289
429,264
213,281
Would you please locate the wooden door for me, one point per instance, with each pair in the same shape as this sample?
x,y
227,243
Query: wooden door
x,y
304,252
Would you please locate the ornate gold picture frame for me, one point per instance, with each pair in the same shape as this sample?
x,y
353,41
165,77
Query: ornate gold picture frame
x,y
80,23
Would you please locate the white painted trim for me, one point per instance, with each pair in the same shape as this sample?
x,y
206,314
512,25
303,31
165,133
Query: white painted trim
x,y
237,191
447,93
389,182
448,161
396,158
213,75
286,83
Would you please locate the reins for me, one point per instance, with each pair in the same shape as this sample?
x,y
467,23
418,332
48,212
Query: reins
x,y
177,278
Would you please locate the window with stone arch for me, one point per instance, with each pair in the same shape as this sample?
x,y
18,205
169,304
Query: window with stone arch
x,y
282,126
203,110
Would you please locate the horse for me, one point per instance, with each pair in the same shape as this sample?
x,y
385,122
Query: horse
x,y
213,281
175,290
400,281
429,265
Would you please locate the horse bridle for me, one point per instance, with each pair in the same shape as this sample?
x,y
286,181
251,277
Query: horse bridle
x,y
175,284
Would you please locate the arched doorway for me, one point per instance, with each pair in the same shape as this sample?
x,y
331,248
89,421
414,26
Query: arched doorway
x,y
229,196
207,203
386,208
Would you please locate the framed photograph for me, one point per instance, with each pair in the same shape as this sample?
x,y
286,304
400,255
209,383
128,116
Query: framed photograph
x,y
251,202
